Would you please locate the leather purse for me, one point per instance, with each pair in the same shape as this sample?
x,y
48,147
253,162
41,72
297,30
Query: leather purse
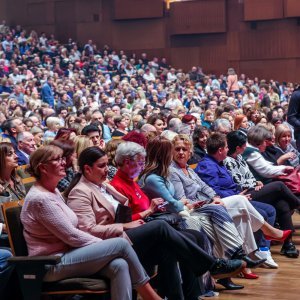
x,y
172,219
292,180
123,214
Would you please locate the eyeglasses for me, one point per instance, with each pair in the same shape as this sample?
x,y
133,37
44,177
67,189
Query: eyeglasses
x,y
58,160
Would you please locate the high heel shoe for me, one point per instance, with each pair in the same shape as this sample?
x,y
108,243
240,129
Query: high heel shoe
x,y
286,234
251,275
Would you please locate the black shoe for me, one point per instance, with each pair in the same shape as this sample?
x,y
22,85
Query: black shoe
x,y
289,250
252,264
226,268
229,285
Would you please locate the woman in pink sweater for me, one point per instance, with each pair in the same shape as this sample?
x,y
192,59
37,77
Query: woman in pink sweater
x,y
50,228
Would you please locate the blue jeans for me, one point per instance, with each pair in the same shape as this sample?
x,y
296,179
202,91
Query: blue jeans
x,y
269,214
113,259
5,269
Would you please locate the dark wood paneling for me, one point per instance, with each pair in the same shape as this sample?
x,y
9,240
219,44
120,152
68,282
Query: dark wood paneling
x,y
65,20
291,8
143,34
204,16
138,9
210,53
263,9
88,13
34,13
280,69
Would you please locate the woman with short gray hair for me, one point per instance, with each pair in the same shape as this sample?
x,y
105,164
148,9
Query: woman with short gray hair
x,y
128,150
260,167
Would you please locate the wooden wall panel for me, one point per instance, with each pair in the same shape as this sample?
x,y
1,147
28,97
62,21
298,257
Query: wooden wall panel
x,y
190,17
255,10
280,69
138,9
143,34
65,20
34,13
90,13
210,54
291,8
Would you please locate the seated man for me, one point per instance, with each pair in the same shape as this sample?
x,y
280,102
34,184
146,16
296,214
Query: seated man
x,y
26,145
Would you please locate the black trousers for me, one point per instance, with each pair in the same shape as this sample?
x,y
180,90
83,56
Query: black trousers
x,y
158,243
280,196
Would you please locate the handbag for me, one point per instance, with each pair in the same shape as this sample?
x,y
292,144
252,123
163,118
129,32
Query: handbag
x,y
172,219
292,181
123,214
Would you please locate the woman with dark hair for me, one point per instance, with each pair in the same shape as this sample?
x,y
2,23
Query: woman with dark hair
x,y
253,117
11,187
95,204
274,193
51,228
158,122
200,136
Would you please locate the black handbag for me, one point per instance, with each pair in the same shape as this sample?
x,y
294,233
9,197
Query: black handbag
x,y
123,214
172,219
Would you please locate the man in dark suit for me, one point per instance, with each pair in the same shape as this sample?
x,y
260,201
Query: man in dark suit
x,y
26,145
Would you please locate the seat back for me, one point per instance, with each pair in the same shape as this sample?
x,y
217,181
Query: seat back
x,y
11,212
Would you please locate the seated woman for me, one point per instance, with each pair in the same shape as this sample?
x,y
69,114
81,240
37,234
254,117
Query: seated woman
x,y
199,140
262,169
241,123
71,162
228,242
274,193
155,183
213,218
130,159
11,187
95,204
287,152
51,228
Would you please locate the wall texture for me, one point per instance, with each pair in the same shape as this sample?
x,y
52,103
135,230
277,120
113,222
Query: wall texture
x,y
257,37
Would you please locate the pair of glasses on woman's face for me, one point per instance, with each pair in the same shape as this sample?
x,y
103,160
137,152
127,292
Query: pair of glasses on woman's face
x,y
58,160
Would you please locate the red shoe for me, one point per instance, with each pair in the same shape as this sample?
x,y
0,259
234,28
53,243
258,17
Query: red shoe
x,y
286,234
251,275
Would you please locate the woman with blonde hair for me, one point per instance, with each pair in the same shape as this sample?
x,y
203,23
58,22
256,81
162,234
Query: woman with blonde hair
x,y
288,152
81,142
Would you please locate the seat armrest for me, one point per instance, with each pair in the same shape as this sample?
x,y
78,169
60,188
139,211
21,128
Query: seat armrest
x,y
42,260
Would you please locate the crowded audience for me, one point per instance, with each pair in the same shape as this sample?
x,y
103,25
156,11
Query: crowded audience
x,y
101,131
